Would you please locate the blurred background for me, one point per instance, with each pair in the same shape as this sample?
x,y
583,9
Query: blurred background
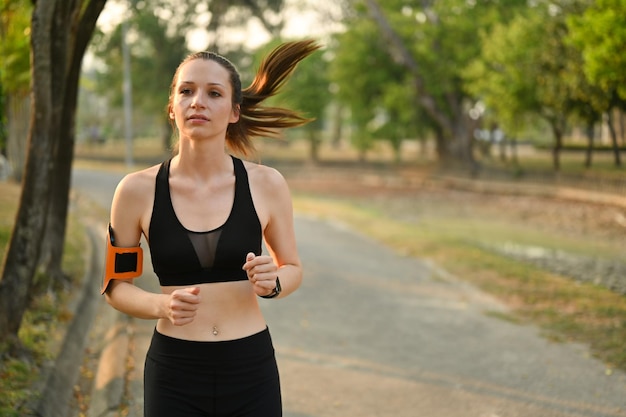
x,y
478,84
486,136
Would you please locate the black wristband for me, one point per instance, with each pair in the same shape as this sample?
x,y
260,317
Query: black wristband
x,y
275,292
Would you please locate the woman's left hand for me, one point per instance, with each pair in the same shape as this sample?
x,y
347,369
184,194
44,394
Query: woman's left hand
x,y
262,273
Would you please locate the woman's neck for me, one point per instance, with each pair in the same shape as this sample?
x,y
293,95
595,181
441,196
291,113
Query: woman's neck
x,y
201,159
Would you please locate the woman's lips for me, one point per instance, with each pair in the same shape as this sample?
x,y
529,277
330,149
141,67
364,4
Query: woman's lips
x,y
198,117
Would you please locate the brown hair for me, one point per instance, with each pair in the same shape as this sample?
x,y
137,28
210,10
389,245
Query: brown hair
x,y
256,120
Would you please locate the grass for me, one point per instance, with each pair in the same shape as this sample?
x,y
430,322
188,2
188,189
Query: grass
x,y
46,316
566,310
492,232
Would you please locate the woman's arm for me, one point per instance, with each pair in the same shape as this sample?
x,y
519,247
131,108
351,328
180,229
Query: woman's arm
x,y
275,206
130,212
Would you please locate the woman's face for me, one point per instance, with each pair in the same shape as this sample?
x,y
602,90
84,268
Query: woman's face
x,y
202,100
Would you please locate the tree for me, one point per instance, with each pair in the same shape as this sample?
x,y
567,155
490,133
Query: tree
x,y
600,33
434,42
362,90
60,31
157,46
528,69
402,118
54,236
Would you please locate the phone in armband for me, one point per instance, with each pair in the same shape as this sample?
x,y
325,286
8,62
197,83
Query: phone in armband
x,y
120,263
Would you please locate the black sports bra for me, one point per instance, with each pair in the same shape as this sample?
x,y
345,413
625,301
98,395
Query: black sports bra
x,y
184,257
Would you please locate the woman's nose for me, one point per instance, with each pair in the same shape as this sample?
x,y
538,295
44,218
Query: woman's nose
x,y
198,100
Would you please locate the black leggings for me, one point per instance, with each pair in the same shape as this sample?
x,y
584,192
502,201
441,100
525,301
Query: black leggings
x,y
185,378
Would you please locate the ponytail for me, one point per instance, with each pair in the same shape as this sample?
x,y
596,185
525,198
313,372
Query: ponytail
x,y
257,120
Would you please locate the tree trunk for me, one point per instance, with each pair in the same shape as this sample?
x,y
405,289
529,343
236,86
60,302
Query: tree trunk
x,y
337,130
513,144
464,140
314,140
18,107
25,242
589,151
616,152
441,145
622,126
51,256
54,239
558,144
51,49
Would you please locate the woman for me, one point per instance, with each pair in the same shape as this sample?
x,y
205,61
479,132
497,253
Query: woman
x,y
204,214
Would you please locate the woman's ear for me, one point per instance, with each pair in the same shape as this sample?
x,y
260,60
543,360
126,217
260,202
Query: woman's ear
x,y
234,115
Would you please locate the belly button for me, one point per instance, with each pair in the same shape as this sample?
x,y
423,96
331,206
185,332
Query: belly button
x,y
215,331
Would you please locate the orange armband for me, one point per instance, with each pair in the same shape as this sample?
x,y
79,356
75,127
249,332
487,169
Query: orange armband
x,y
121,263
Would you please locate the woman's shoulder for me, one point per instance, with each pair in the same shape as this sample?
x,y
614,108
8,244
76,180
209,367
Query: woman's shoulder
x,y
139,183
264,175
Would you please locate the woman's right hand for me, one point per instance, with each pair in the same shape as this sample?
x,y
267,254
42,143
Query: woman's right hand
x,y
181,305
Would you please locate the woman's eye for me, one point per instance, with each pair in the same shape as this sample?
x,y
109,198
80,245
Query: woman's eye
x,y
185,91
215,94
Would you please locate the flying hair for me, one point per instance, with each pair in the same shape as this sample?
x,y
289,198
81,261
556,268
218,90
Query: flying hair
x,y
256,120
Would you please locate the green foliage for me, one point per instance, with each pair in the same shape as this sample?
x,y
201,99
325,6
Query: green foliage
x,y
528,69
14,55
442,38
505,77
364,73
16,376
15,45
19,375
558,61
600,33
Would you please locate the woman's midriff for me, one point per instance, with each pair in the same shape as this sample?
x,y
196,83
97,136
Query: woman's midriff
x,y
227,311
